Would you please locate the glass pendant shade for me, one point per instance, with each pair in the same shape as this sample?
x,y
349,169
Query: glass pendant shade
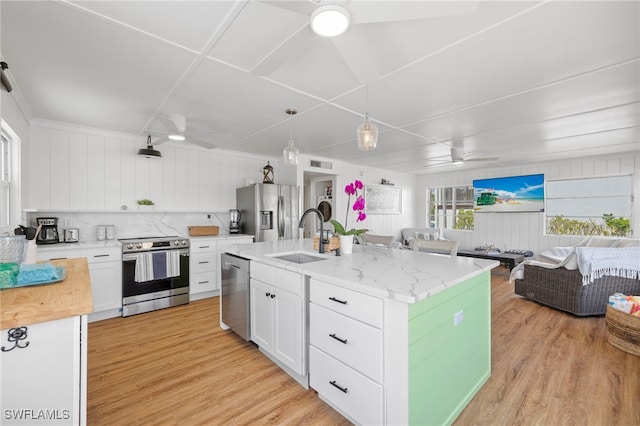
x,y
291,154
367,135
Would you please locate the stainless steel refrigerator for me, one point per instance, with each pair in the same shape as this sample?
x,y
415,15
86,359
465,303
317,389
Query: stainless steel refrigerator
x,y
268,211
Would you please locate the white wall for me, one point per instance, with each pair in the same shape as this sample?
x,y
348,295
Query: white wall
x,y
75,168
526,230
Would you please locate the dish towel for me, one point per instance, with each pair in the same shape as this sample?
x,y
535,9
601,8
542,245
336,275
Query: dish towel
x,y
157,265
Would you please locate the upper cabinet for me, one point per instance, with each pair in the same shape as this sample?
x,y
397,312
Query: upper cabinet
x,y
69,169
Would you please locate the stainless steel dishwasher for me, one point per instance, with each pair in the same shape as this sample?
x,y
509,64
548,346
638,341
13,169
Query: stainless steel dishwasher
x,y
234,295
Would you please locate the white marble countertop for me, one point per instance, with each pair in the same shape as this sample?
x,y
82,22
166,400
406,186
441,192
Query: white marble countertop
x,y
402,275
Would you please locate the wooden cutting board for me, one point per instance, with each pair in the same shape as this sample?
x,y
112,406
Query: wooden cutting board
x,y
202,231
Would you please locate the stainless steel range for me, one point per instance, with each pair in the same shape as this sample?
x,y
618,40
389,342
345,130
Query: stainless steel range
x,y
155,273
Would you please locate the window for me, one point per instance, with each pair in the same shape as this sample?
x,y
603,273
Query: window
x,y
450,207
589,206
9,176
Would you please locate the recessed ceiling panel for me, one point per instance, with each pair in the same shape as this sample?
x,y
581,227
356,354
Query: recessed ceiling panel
x,y
111,79
186,23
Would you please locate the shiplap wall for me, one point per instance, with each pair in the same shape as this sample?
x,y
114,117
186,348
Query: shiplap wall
x,y
526,230
76,169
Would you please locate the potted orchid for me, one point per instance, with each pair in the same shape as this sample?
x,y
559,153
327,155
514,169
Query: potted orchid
x,y
346,237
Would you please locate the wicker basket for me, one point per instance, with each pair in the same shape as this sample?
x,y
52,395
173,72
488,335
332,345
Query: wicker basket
x,y
334,244
623,331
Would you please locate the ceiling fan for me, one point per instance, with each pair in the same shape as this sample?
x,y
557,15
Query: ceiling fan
x,y
458,156
177,131
348,44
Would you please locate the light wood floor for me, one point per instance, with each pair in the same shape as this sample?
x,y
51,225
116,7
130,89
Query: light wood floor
x,y
176,366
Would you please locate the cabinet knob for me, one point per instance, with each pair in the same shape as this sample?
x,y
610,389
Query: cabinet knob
x,y
273,296
267,294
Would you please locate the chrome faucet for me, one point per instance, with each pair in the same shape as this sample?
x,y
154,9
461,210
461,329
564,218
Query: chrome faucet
x,y
301,226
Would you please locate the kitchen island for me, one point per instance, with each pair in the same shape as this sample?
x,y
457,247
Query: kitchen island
x,y
395,336
43,358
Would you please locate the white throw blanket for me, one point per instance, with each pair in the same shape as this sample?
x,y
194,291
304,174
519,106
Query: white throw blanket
x,y
593,263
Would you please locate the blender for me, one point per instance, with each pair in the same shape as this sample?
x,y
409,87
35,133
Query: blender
x,y
234,218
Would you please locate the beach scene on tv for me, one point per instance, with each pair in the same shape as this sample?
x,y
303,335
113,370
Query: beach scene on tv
x,y
509,194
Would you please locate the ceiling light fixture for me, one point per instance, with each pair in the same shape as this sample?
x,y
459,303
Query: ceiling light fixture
x,y
367,132
330,20
149,152
291,153
176,137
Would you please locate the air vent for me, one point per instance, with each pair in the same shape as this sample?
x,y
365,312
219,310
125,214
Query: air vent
x,y
321,164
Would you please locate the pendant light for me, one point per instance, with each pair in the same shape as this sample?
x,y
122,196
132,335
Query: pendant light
x,y
367,132
291,153
149,152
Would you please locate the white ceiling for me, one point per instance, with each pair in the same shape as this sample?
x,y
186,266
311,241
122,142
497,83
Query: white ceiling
x,y
522,81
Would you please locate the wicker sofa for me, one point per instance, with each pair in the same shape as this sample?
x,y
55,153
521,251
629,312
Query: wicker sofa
x,y
562,287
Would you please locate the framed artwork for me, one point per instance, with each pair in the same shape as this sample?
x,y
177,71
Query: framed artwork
x,y
383,199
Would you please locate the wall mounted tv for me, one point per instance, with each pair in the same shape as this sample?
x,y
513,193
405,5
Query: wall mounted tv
x,y
509,194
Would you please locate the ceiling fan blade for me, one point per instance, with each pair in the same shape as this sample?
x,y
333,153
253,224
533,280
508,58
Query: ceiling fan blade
x,y
365,12
161,140
202,143
292,47
356,57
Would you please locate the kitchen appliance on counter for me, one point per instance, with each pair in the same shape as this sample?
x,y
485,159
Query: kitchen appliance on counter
x,y
269,212
155,273
49,231
71,235
234,221
234,294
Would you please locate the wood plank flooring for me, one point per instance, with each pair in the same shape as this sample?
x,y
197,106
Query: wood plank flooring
x,y
176,366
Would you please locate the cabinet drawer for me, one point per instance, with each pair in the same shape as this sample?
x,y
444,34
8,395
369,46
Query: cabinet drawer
x,y
361,398
356,344
203,281
202,262
353,304
98,255
202,245
285,280
49,254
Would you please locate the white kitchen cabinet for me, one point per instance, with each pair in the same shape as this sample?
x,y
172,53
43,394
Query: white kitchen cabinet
x,y
105,270
44,373
202,266
278,317
346,350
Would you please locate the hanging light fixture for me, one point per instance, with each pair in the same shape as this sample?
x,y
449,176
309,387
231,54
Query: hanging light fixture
x,y
149,152
367,132
291,153
330,20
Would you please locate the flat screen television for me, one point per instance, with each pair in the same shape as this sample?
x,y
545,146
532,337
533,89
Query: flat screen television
x,y
509,194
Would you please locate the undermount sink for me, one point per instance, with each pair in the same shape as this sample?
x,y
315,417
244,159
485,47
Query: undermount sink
x,y
297,257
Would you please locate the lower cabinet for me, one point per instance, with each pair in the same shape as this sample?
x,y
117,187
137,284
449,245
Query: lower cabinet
x,y
346,351
278,316
105,271
44,369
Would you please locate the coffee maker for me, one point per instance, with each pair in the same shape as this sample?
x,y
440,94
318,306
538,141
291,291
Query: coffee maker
x,y
49,231
234,218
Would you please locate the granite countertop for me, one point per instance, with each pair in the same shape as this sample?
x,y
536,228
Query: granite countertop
x,y
35,304
401,275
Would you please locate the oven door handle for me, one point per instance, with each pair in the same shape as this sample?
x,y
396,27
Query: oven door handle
x,y
134,256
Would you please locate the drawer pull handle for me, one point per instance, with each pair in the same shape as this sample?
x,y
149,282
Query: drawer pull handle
x,y
204,261
203,247
338,339
101,255
203,282
333,299
333,383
